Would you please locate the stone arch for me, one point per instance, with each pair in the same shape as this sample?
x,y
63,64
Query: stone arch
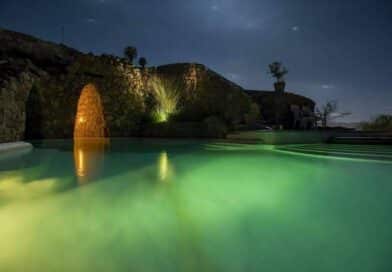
x,y
90,121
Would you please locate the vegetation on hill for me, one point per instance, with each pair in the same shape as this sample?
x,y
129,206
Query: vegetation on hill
x,y
382,122
211,96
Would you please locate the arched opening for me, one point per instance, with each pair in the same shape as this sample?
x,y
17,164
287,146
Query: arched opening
x,y
33,123
90,121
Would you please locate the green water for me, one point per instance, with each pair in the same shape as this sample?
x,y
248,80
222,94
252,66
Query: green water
x,y
133,205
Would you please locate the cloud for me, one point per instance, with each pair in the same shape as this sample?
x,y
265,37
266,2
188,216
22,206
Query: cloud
x,y
335,114
328,86
388,109
215,8
295,28
91,20
234,76
252,24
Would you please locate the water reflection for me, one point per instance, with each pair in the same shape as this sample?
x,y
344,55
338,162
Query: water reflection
x,y
89,157
165,168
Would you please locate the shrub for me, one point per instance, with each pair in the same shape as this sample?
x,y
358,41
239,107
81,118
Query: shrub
x,y
214,127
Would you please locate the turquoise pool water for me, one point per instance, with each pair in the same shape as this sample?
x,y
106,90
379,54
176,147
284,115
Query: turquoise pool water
x,y
154,205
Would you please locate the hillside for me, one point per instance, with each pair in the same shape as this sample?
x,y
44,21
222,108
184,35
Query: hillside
x,y
41,83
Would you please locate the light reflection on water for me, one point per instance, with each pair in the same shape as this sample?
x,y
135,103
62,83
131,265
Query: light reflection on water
x,y
89,157
165,168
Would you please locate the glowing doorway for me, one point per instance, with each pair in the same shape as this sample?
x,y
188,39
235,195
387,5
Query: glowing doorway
x,y
90,121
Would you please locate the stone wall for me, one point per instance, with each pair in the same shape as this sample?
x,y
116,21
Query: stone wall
x,y
14,91
58,96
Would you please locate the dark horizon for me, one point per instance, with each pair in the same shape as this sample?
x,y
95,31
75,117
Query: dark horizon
x,y
333,50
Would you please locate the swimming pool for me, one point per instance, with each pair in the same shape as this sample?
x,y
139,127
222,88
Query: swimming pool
x,y
157,205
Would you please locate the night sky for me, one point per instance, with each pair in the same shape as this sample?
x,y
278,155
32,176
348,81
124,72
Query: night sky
x,y
334,49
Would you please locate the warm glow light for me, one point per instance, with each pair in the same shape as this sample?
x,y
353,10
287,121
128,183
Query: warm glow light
x,y
89,158
80,165
90,120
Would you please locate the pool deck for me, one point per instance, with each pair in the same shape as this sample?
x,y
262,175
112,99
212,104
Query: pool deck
x,y
7,148
276,137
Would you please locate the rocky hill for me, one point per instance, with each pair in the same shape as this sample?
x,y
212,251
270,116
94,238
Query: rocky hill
x,y
41,83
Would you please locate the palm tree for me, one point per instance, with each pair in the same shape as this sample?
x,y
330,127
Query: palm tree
x,y
278,71
130,53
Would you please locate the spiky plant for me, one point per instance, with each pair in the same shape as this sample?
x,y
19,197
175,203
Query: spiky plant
x,y
166,94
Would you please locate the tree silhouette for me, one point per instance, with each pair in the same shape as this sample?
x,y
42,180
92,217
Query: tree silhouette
x,y
130,53
143,62
329,112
